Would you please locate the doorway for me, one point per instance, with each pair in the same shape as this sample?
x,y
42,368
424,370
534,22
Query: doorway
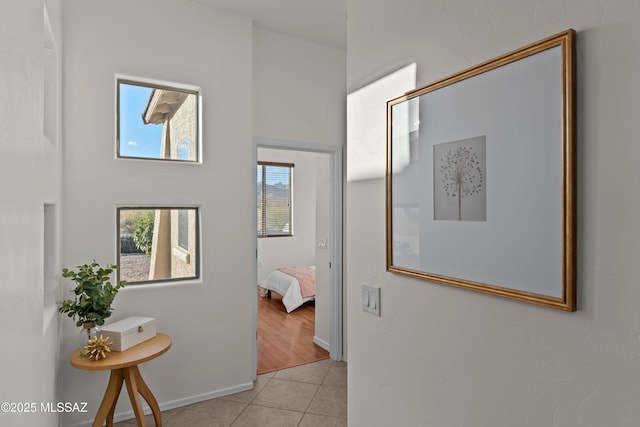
x,y
322,240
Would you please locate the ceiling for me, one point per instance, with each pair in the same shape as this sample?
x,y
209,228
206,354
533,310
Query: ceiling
x,y
319,21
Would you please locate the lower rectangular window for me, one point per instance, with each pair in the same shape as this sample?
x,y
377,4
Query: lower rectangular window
x,y
158,244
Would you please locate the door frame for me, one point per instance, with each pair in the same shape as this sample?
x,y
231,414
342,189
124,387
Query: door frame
x,y
336,290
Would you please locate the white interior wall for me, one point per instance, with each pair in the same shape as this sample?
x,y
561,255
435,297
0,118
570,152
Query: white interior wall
x,y
465,359
298,90
299,100
209,319
31,170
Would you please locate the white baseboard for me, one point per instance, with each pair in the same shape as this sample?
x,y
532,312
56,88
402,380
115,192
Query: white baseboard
x,y
122,416
322,343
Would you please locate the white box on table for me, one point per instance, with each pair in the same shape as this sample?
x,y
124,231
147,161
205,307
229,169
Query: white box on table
x,y
128,332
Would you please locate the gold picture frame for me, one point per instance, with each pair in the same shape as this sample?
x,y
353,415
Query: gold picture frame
x,y
480,177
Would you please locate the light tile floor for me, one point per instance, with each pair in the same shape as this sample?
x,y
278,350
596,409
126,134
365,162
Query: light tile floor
x,y
312,395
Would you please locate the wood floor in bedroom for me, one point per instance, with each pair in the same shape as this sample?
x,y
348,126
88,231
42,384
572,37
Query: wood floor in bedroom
x,y
286,339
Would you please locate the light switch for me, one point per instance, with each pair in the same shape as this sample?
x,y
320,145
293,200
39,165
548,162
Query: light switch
x,y
371,299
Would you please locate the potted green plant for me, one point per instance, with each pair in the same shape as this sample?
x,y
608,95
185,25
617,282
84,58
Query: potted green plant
x,y
93,296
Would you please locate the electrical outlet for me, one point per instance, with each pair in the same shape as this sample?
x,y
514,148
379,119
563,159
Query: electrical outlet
x,y
371,299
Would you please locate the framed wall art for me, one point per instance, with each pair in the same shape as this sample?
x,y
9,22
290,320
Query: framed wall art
x,y
480,177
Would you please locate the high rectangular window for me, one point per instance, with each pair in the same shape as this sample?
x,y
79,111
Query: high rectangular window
x,y
274,184
157,122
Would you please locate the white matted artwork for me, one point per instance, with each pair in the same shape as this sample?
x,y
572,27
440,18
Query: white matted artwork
x,y
459,184
481,179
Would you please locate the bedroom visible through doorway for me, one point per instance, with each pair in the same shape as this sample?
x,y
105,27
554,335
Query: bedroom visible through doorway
x,y
294,326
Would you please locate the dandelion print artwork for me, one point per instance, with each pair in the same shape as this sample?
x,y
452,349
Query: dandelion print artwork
x,y
460,180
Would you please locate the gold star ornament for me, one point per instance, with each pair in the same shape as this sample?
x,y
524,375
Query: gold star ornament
x,y
98,347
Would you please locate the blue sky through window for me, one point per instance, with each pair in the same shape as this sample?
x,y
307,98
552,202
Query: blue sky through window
x,y
274,175
136,138
277,175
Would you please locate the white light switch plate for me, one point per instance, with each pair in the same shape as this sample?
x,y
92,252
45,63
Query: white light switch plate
x,y
371,299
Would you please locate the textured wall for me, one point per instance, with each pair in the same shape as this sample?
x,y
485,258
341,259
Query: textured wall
x,y
30,172
208,319
441,356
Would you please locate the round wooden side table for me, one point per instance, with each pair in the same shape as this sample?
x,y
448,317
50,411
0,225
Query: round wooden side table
x,y
124,367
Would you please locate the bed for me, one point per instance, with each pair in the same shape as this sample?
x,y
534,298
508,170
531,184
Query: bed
x,y
297,285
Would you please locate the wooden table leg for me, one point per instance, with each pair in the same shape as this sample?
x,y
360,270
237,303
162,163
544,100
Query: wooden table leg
x,y
108,405
132,389
145,392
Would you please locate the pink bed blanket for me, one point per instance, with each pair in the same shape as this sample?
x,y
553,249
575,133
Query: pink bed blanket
x,y
306,277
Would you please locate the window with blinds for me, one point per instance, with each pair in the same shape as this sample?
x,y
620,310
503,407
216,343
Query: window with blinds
x,y
274,183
